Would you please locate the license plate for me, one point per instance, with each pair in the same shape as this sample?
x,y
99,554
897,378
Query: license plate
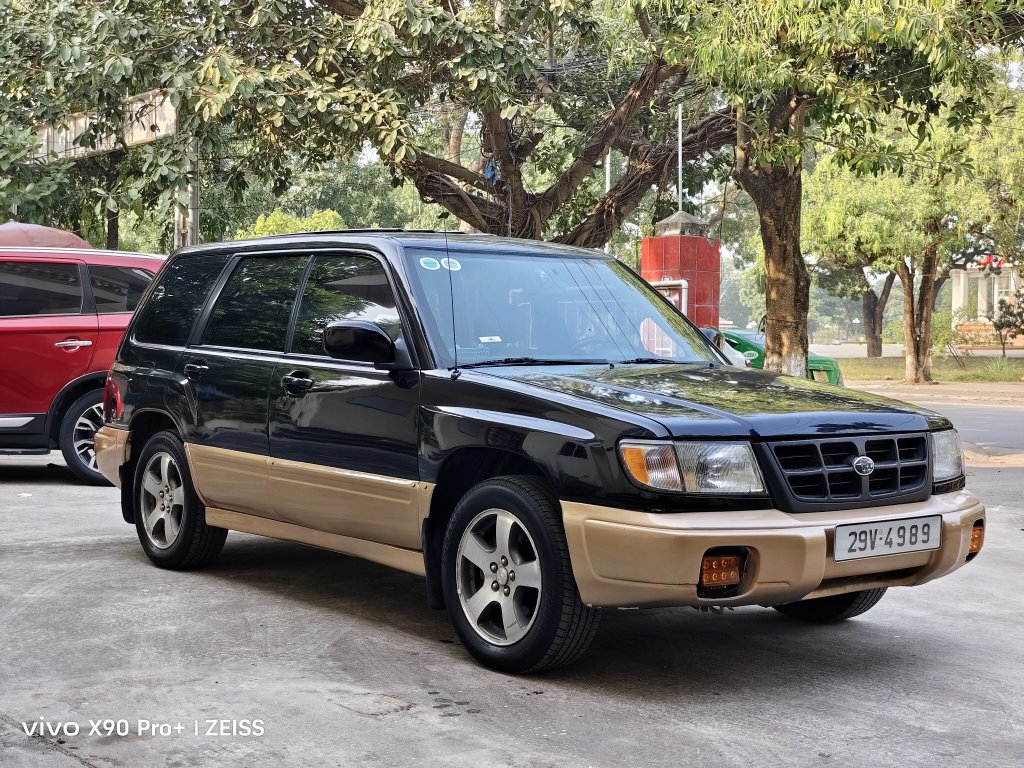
x,y
890,537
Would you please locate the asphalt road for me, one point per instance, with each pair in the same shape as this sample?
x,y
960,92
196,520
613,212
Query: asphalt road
x,y
995,430
344,664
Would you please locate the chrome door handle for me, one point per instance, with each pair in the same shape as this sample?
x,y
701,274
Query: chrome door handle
x,y
196,370
73,344
296,383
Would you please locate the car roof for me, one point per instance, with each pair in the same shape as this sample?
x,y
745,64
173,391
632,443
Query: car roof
x,y
88,255
467,244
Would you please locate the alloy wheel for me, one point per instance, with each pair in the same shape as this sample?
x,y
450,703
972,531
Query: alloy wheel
x,y
498,576
84,435
162,499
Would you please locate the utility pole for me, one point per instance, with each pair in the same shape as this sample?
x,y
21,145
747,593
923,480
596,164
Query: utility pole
x,y
607,187
186,222
679,155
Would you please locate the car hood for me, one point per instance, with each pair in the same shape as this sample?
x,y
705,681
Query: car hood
x,y
697,400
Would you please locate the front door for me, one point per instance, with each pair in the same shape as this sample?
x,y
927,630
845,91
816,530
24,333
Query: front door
x,y
343,435
45,339
229,371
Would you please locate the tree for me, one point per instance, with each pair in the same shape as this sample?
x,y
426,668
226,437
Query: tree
x,y
827,73
528,99
1008,319
280,223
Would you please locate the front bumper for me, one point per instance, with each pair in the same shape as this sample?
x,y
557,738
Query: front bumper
x,y
111,446
628,558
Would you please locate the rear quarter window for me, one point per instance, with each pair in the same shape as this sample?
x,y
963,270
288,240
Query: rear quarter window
x,y
169,313
118,289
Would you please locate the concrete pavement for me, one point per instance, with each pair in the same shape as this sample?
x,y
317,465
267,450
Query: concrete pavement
x,y
344,664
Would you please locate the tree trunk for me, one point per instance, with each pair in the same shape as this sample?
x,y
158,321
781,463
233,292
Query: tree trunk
x,y
113,230
872,332
918,307
874,314
776,191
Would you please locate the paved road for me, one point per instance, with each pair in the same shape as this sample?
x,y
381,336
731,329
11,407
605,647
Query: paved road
x,y
996,430
345,665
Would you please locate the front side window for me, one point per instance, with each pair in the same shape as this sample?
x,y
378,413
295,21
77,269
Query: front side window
x,y
343,287
118,289
172,308
39,288
252,311
493,306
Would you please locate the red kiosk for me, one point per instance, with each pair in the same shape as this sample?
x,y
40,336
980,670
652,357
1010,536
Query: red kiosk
x,y
684,264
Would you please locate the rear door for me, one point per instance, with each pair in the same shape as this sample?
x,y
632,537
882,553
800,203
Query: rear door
x,y
229,367
115,293
343,435
46,338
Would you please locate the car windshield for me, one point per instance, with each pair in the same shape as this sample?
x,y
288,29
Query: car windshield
x,y
534,309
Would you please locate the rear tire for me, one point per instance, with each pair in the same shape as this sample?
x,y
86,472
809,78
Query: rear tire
x,y
508,582
78,436
825,610
169,517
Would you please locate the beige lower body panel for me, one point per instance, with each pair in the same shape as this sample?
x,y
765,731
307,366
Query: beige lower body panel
x,y
112,451
407,560
229,479
356,504
629,558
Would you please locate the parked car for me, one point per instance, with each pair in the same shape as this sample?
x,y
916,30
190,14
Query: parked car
x,y
751,346
718,340
62,315
530,427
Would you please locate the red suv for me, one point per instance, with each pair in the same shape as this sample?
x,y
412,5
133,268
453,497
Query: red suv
x,y
62,315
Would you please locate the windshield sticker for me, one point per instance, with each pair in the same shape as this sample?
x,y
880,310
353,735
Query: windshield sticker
x,y
451,264
428,262
489,339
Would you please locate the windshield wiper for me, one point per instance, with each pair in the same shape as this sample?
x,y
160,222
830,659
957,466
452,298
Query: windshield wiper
x,y
531,361
640,360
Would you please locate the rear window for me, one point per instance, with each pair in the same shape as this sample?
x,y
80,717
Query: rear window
x,y
39,288
170,311
118,289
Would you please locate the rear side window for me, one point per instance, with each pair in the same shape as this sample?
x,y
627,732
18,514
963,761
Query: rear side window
x,y
118,289
39,288
343,287
253,310
173,306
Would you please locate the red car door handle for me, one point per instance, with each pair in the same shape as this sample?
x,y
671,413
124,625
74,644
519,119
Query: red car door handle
x,y
73,344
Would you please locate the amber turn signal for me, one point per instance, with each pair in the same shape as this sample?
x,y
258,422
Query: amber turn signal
x,y
977,538
721,570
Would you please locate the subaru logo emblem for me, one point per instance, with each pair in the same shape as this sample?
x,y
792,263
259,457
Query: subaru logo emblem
x,y
863,466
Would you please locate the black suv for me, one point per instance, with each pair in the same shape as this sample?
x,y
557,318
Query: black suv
x,y
531,427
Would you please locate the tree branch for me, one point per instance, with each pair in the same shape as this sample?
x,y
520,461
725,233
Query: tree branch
x,y
430,163
604,136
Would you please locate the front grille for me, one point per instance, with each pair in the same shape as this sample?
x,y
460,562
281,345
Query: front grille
x,y
819,474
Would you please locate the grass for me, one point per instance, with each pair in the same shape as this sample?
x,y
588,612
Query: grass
x,y
943,369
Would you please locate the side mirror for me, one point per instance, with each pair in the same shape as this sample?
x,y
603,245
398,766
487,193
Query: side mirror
x,y
364,342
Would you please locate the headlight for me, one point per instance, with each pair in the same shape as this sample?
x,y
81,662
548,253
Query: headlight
x,y
947,456
691,467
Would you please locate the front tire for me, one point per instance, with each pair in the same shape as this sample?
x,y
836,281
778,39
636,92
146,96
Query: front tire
x,y
508,581
78,437
826,610
169,517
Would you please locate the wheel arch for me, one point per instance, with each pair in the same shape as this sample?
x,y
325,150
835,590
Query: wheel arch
x,y
144,424
68,395
460,471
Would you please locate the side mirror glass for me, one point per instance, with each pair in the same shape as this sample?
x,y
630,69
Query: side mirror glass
x,y
359,340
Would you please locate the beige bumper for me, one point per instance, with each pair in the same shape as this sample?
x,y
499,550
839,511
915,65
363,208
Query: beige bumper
x,y
111,452
628,558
